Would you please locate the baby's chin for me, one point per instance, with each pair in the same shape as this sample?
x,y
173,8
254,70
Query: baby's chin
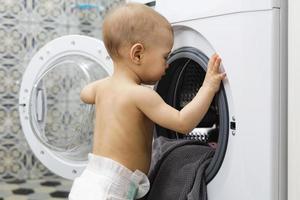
x,y
153,80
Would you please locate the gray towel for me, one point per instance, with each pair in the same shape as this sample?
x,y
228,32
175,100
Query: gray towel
x,y
177,170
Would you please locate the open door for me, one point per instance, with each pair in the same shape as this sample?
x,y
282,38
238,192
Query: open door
x,y
57,124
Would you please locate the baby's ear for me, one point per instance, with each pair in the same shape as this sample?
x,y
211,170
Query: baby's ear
x,y
136,53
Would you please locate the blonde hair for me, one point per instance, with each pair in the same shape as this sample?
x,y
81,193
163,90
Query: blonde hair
x,y
129,24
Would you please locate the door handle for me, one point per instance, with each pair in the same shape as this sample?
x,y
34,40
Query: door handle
x,y
40,105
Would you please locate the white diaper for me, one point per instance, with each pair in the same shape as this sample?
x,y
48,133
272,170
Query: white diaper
x,y
106,179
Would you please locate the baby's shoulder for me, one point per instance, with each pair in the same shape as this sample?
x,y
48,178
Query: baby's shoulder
x,y
101,83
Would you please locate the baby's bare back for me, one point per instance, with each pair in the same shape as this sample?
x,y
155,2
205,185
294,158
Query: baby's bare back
x,y
122,132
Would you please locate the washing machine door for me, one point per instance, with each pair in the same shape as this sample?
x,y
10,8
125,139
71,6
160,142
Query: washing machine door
x,y
56,123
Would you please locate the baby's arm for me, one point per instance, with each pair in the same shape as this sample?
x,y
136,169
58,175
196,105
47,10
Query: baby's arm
x,y
184,121
88,93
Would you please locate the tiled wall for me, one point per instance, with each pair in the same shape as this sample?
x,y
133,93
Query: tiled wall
x,y
25,26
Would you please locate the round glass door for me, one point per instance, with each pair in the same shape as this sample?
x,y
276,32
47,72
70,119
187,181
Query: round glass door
x,y
57,125
59,119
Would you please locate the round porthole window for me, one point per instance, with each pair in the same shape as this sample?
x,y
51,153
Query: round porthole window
x,y
59,119
56,123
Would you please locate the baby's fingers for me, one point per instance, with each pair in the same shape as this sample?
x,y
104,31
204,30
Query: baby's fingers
x,y
217,63
212,61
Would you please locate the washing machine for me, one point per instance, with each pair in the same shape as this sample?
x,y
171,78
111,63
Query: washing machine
x,y
57,125
247,120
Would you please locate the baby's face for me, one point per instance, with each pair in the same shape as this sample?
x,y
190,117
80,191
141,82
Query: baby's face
x,y
155,58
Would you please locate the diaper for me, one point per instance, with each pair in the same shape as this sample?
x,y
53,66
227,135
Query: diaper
x,y
106,179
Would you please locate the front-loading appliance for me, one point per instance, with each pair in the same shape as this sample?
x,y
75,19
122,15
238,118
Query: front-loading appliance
x,y
246,122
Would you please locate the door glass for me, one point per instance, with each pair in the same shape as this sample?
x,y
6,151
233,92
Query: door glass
x,y
60,120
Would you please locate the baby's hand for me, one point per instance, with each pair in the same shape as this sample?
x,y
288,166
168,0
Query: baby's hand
x,y
213,76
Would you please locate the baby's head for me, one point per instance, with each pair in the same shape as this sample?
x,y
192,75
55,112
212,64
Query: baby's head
x,y
138,37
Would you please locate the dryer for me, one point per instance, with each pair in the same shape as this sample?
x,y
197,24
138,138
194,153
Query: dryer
x,y
247,119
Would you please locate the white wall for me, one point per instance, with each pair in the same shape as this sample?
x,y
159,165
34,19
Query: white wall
x,y
294,101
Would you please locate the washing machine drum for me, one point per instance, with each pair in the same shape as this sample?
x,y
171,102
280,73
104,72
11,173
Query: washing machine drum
x,y
184,77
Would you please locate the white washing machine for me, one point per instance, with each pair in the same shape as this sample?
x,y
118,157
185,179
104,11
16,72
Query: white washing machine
x,y
248,115
57,125
246,122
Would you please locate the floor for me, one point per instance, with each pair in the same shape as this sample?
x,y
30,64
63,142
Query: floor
x,y
45,189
